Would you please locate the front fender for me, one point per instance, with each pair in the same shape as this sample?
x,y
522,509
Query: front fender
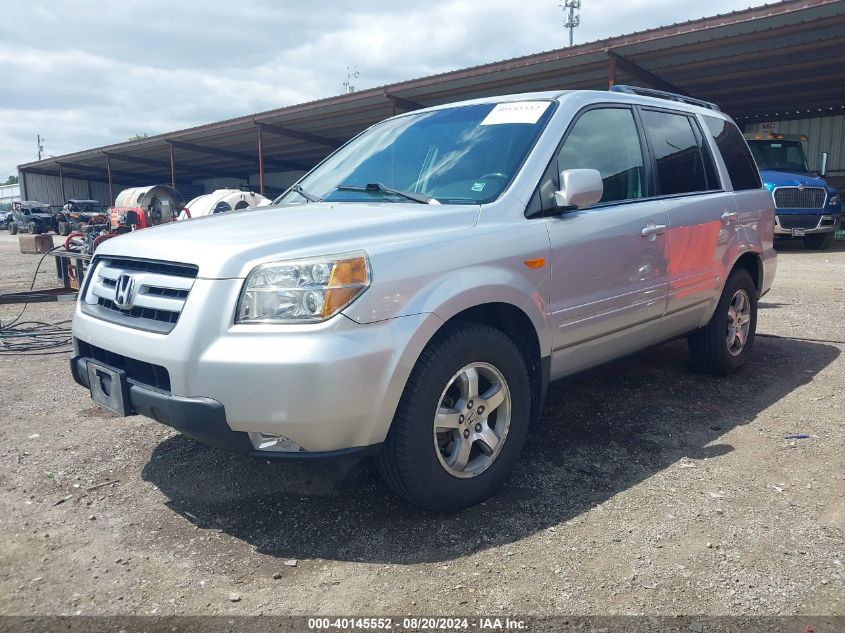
x,y
449,296
483,267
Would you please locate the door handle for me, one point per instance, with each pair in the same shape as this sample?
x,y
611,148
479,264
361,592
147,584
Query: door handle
x,y
728,217
653,230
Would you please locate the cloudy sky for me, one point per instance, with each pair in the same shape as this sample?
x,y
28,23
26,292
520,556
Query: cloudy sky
x,y
86,73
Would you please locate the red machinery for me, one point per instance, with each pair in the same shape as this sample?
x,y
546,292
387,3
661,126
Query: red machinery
x,y
134,208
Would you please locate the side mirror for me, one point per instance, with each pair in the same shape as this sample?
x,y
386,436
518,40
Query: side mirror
x,y
580,188
823,166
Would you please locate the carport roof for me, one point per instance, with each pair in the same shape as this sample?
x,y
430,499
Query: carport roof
x,y
776,61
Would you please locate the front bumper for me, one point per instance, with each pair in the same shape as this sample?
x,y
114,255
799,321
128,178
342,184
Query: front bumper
x,y
204,419
327,386
815,223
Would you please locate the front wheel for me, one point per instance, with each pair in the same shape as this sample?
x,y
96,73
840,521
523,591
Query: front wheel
x,y
819,241
64,228
461,422
722,346
13,228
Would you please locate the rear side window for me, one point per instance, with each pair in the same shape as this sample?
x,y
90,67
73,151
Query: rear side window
x,y
735,153
606,139
683,163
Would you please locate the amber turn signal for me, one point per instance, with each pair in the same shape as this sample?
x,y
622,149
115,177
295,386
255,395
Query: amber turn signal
x,y
536,263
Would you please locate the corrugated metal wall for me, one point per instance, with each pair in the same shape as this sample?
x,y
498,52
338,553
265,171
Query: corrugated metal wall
x,y
274,182
47,189
825,134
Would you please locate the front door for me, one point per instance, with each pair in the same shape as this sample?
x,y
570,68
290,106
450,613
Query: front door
x,y
609,262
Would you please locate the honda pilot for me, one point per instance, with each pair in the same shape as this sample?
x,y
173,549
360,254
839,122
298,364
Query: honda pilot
x,y
411,297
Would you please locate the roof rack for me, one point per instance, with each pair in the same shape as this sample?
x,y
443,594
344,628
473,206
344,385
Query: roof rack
x,y
662,94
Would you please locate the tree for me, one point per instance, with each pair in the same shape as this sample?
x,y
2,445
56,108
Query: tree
x,y
138,137
13,180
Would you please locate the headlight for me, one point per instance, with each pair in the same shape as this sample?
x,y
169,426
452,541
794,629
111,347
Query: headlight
x,y
303,290
834,200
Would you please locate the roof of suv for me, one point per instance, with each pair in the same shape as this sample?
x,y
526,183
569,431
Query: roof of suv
x,y
603,96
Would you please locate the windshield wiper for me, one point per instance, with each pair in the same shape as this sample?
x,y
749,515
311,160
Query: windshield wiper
x,y
380,188
308,196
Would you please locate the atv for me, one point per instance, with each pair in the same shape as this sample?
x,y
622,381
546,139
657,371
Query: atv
x,y
31,216
78,212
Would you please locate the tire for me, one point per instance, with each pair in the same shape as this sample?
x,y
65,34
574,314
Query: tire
x,y
712,349
32,227
819,241
414,461
13,228
64,228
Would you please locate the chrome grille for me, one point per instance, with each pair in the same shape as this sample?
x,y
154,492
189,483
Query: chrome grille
x,y
797,198
152,297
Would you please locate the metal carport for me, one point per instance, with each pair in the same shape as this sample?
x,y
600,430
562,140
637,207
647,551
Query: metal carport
x,y
775,62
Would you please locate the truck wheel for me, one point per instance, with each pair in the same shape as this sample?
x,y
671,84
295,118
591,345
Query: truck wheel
x,y
13,228
32,227
461,422
722,346
819,241
64,228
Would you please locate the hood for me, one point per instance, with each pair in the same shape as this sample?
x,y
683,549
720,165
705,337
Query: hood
x,y
230,245
774,179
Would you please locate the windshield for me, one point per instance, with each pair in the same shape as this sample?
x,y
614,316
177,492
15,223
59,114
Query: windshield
x,y
779,155
462,155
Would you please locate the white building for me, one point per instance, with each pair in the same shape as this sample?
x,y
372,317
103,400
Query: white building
x,y
9,194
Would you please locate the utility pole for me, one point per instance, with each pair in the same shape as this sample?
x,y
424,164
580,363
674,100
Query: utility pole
x,y
573,19
40,146
350,75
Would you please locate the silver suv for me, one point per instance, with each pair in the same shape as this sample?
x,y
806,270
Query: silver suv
x,y
413,295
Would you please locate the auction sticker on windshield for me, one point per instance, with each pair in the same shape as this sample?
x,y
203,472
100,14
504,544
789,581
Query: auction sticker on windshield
x,y
516,112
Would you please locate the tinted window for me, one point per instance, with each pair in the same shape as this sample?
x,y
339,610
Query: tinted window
x,y
607,140
735,153
683,164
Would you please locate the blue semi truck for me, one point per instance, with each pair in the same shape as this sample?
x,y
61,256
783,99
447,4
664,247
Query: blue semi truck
x,y
806,206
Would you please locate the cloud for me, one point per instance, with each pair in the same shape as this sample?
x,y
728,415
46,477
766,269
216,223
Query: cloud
x,y
87,73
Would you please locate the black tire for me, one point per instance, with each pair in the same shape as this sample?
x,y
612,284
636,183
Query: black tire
x,y
409,461
708,346
13,228
64,228
32,227
819,241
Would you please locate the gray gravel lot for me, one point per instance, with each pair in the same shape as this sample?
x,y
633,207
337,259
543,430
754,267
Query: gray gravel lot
x,y
647,489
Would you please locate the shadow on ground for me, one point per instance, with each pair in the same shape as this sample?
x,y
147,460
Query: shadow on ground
x,y
789,245
602,432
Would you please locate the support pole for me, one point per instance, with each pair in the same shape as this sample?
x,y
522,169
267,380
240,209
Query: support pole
x,y
611,72
62,183
172,167
108,169
260,159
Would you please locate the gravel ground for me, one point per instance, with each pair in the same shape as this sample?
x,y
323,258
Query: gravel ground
x,y
648,489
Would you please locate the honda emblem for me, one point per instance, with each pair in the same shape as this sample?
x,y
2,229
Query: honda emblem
x,y
124,292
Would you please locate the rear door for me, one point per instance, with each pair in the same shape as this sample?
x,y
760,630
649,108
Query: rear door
x,y
699,212
608,287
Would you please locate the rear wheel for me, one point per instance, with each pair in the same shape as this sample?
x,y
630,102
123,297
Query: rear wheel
x,y
33,228
819,241
13,228
64,228
461,422
722,346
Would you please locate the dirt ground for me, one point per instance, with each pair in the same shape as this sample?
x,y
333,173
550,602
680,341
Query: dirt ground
x,y
648,489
